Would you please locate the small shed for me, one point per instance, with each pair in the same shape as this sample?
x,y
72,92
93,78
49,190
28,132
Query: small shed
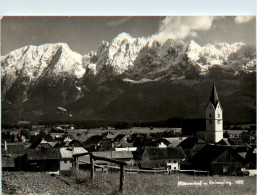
x,y
66,161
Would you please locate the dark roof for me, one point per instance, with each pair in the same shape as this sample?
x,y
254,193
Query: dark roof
x,y
75,143
14,148
210,152
224,141
189,142
95,139
214,99
42,142
118,137
157,164
164,153
43,154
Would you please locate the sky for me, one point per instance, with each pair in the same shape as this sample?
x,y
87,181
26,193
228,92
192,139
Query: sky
x,y
84,34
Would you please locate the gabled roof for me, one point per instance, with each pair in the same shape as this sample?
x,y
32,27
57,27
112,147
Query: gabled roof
x,y
189,142
214,99
165,153
210,152
17,148
40,141
43,154
174,141
224,141
114,154
118,137
68,152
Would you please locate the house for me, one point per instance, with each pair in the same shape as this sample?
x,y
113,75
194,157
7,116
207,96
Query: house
x,y
10,153
42,144
109,135
250,158
216,159
92,142
118,138
66,160
154,157
170,141
192,145
43,159
105,145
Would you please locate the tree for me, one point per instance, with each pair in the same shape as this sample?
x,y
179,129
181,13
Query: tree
x,y
226,134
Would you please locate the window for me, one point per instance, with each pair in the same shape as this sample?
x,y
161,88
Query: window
x,y
218,121
218,115
210,121
174,167
65,161
175,161
169,161
210,115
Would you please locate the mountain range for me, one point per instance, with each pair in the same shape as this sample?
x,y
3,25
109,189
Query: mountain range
x,y
128,79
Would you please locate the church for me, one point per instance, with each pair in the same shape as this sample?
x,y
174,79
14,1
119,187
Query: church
x,y
214,119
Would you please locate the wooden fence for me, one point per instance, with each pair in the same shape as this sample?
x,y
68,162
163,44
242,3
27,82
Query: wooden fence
x,y
122,168
92,165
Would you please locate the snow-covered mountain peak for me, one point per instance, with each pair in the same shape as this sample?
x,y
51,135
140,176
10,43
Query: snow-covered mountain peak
x,y
193,46
123,37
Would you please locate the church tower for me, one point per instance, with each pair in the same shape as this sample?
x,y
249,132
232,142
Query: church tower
x,y
214,118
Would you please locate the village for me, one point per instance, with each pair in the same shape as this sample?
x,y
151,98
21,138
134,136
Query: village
x,y
214,151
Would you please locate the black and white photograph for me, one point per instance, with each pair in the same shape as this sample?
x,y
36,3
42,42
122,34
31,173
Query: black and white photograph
x,y
128,104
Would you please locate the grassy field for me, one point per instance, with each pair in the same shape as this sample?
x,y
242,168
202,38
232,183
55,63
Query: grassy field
x,y
108,183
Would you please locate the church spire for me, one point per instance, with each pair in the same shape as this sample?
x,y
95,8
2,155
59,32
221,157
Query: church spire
x,y
214,99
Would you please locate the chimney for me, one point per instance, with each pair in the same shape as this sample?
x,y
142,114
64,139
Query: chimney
x,y
5,145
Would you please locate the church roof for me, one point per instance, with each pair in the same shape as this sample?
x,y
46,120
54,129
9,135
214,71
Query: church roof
x,y
214,99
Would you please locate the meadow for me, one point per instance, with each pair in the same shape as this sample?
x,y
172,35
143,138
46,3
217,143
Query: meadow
x,y
74,182
167,184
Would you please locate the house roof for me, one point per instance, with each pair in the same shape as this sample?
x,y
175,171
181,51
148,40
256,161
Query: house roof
x,y
43,154
189,142
214,99
210,152
17,148
165,153
174,141
118,137
67,152
114,154
224,141
76,143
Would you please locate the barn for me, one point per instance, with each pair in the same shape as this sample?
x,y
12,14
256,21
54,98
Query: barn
x,y
221,160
